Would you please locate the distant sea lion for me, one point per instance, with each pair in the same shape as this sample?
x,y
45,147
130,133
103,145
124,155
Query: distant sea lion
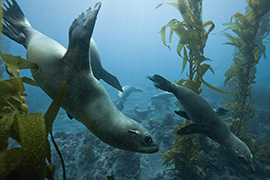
x,y
86,99
205,120
122,96
127,90
162,96
98,70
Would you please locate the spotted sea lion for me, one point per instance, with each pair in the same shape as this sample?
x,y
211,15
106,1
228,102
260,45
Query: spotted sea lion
x,y
86,99
205,120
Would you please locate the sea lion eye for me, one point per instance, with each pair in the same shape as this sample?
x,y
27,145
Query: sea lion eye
x,y
148,139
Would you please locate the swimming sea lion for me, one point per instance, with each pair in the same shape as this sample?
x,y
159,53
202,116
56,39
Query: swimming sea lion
x,y
98,71
122,96
86,99
205,120
162,96
127,90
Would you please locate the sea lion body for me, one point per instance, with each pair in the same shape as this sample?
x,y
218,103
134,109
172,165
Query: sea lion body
x,y
86,99
205,120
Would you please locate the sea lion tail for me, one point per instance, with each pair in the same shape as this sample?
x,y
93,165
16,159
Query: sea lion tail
x,y
161,83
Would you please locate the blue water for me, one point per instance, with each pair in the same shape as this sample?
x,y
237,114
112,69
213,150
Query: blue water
x,y
130,46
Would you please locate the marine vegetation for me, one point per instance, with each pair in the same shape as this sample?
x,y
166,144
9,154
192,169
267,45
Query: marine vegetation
x,y
193,34
30,158
249,31
183,154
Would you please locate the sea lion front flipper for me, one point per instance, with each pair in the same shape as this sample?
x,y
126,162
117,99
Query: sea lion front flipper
x,y
161,83
182,114
80,33
191,129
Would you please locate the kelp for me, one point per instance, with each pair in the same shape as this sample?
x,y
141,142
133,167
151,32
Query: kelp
x,y
30,131
247,38
193,34
183,153
248,33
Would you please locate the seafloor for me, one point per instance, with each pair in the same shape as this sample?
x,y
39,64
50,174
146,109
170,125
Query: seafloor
x,y
85,156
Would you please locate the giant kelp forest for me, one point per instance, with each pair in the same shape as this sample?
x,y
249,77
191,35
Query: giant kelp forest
x,y
247,33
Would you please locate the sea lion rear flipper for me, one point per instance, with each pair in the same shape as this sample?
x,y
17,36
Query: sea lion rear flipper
x,y
161,83
14,34
80,33
182,114
14,22
98,71
111,80
192,128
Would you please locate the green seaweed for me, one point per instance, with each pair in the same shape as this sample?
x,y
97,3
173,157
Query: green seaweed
x,y
29,130
193,34
184,152
248,32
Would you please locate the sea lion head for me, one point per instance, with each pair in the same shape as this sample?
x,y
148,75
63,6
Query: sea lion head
x,y
134,137
141,141
244,155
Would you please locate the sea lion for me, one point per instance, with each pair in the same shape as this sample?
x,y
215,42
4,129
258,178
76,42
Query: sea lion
x,y
122,96
98,71
86,99
205,120
127,90
162,96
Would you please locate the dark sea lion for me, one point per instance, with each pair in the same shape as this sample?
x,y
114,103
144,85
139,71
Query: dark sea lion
x,y
205,120
86,99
